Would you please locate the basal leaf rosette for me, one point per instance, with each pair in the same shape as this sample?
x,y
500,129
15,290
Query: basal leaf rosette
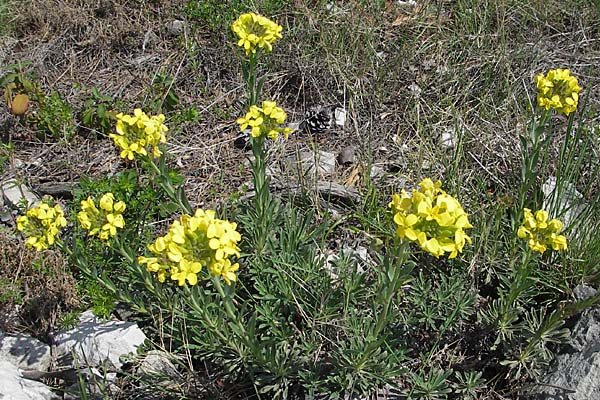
x,y
256,32
194,242
265,121
104,220
540,232
559,90
139,134
432,218
42,224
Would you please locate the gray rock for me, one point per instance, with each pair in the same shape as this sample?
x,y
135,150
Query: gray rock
x,y
25,352
14,387
158,363
376,172
448,139
307,163
415,90
176,27
340,116
97,343
584,292
346,156
575,374
15,194
563,202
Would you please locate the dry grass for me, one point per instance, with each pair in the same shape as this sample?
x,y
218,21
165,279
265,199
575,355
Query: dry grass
x,y
36,289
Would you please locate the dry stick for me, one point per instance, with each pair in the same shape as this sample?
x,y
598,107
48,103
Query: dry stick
x,y
485,169
172,81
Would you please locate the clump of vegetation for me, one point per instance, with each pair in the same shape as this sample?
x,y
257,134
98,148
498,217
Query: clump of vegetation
x,y
458,301
36,289
52,115
97,112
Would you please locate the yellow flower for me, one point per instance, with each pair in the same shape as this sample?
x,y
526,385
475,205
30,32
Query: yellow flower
x,y
559,90
104,221
139,133
541,233
265,121
431,218
41,224
256,32
192,243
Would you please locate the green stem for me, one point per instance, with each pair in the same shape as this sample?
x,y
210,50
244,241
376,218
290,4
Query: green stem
x,y
165,182
534,152
262,197
229,308
395,275
252,88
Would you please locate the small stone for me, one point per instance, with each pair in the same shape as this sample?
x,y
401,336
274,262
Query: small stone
x,y
63,190
584,292
307,162
158,362
415,89
340,116
176,27
376,172
346,156
448,139
18,163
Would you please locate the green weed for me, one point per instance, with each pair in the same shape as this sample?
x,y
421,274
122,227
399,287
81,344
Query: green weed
x,y
97,112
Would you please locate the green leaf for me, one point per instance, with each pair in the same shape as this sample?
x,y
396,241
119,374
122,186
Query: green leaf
x,y
168,208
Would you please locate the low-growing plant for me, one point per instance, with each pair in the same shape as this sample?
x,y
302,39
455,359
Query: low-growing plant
x,y
97,112
69,320
54,117
10,292
52,114
259,302
6,151
163,95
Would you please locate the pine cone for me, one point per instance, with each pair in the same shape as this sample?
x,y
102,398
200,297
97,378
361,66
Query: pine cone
x,y
316,120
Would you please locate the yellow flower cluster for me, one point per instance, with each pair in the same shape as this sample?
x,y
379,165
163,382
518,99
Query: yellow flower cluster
x,y
137,132
541,233
559,90
265,121
432,218
255,31
102,221
41,225
191,243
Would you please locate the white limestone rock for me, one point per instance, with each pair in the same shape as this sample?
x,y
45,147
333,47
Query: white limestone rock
x,y
158,363
575,374
97,343
15,193
14,387
25,352
563,202
306,163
